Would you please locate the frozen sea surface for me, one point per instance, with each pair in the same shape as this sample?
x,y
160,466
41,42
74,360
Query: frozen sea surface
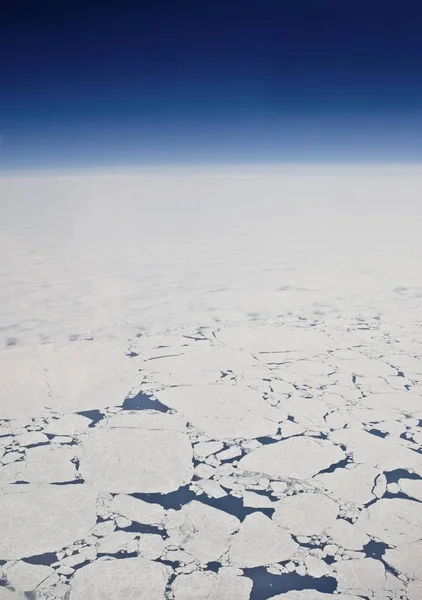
x,y
211,385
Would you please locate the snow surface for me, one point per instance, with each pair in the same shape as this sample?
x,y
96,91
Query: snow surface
x,y
211,385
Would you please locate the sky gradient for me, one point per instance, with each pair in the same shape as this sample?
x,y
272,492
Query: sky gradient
x,y
161,82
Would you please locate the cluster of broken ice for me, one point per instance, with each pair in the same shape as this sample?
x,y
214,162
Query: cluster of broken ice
x,y
211,387
237,452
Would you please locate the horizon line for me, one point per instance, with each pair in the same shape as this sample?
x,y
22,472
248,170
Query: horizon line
x,y
203,168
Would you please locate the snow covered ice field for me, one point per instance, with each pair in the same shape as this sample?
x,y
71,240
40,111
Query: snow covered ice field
x,y
211,385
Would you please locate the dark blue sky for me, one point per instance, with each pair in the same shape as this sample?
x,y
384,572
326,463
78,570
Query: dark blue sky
x,y
147,82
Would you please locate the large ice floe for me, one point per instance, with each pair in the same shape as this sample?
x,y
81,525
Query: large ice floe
x,y
211,386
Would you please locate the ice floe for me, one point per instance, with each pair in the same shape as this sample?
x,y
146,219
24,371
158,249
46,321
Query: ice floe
x,y
306,514
109,579
61,379
295,458
260,541
224,411
128,459
36,521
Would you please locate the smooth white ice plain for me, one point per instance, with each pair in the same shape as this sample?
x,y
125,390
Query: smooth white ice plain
x,y
211,385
